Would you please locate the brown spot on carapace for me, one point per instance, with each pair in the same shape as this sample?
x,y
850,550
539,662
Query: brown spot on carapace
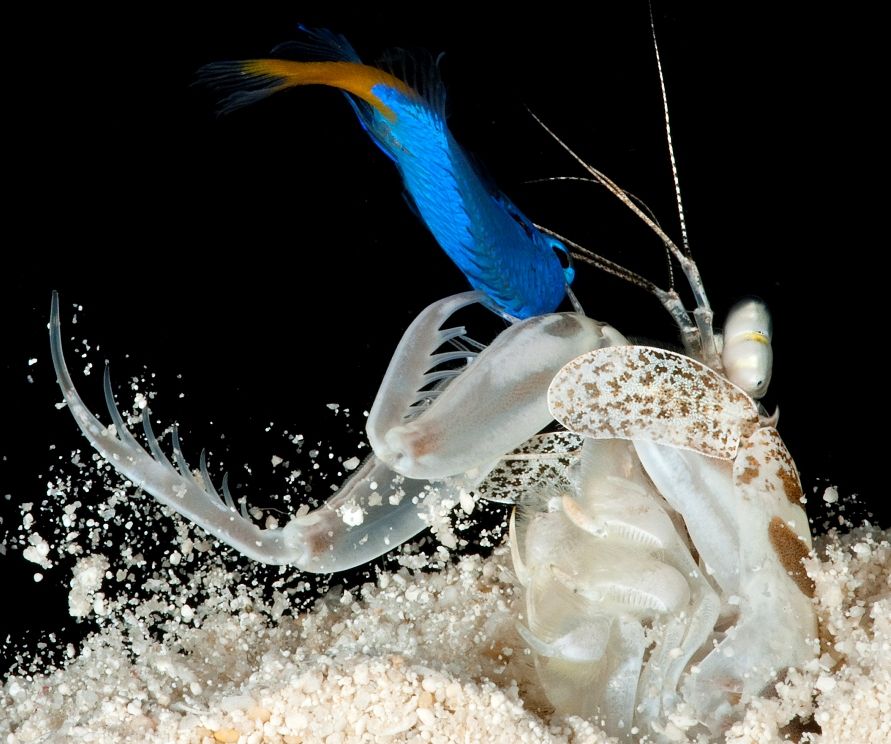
x,y
791,551
748,475
791,485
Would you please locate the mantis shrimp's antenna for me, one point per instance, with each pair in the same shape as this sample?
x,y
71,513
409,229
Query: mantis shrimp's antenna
x,y
696,334
674,166
695,326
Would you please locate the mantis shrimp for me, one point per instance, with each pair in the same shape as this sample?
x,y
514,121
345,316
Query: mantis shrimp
x,y
658,539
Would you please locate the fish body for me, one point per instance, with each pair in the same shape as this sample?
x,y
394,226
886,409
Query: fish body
x,y
499,250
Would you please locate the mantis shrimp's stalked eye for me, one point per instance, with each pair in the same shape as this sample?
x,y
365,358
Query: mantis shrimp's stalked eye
x,y
747,355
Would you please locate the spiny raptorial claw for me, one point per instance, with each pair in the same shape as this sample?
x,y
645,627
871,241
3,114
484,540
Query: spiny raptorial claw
x,y
157,452
154,473
120,426
178,457
373,511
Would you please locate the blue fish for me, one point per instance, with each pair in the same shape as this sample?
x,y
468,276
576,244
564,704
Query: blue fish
x,y
523,271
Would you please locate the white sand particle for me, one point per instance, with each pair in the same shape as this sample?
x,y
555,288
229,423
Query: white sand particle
x,y
85,583
38,550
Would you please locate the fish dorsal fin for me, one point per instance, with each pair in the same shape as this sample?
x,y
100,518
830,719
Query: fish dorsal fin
x,y
419,70
318,44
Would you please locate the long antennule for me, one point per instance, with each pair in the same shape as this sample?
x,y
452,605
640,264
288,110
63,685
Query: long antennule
x,y
614,189
674,166
703,313
690,333
670,299
604,264
640,202
698,339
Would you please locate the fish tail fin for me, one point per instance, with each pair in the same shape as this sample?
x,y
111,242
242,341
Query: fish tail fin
x,y
247,81
244,82
330,60
237,85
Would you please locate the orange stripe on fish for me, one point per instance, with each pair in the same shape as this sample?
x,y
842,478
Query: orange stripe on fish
x,y
351,77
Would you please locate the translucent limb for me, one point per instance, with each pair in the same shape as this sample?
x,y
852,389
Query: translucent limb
x,y
496,403
373,512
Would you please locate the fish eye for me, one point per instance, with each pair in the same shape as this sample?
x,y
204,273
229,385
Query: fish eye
x,y
565,258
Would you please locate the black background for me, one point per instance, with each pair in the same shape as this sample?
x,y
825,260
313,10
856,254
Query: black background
x,y
268,259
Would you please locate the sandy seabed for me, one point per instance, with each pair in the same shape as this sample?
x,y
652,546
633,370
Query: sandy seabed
x,y
191,645
415,656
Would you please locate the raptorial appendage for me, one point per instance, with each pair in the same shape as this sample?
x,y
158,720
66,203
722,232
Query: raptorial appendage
x,y
434,431
375,510
472,416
